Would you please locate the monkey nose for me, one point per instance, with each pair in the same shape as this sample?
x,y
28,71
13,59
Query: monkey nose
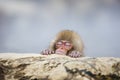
x,y
62,47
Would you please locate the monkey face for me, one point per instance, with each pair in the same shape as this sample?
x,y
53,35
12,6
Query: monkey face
x,y
63,46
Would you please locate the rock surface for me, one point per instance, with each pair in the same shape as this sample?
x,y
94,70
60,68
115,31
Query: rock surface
x,y
58,67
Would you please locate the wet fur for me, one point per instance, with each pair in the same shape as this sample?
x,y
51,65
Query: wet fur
x,y
71,36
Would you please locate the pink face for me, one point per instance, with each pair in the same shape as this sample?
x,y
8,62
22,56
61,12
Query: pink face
x,y
62,47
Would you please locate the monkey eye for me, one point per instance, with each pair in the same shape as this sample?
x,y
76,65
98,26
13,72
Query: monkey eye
x,y
63,43
67,44
59,43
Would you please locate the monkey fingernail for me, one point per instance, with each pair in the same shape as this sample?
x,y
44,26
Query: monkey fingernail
x,y
49,52
53,52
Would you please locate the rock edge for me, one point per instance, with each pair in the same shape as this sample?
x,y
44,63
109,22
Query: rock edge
x,y
58,67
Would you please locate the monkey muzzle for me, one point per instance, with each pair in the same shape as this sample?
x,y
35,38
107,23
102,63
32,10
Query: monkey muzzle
x,y
61,52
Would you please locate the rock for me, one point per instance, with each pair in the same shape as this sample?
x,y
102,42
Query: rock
x,y
58,67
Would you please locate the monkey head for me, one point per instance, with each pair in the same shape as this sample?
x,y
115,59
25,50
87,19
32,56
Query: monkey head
x,y
67,41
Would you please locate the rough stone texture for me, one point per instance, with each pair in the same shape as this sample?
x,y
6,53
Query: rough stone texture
x,y
58,67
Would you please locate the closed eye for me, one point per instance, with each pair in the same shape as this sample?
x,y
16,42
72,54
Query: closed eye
x,y
67,44
59,43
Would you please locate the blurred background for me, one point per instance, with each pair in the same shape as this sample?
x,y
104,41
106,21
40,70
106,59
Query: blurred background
x,y
28,26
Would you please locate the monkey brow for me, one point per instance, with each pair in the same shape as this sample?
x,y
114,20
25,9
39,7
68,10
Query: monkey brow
x,y
64,41
67,43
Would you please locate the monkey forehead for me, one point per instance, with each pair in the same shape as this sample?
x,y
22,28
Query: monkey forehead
x,y
65,35
64,41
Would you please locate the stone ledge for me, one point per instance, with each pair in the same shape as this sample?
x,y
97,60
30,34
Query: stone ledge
x,y
58,67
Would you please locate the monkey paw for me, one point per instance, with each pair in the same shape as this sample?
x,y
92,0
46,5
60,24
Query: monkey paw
x,y
75,54
47,52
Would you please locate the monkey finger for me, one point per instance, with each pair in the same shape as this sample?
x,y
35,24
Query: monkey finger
x,y
44,52
73,55
41,52
76,54
70,54
80,54
52,52
48,51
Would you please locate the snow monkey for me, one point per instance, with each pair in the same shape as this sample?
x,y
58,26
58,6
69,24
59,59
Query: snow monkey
x,y
66,42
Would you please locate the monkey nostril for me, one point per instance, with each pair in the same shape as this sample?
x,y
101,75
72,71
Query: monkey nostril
x,y
61,47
